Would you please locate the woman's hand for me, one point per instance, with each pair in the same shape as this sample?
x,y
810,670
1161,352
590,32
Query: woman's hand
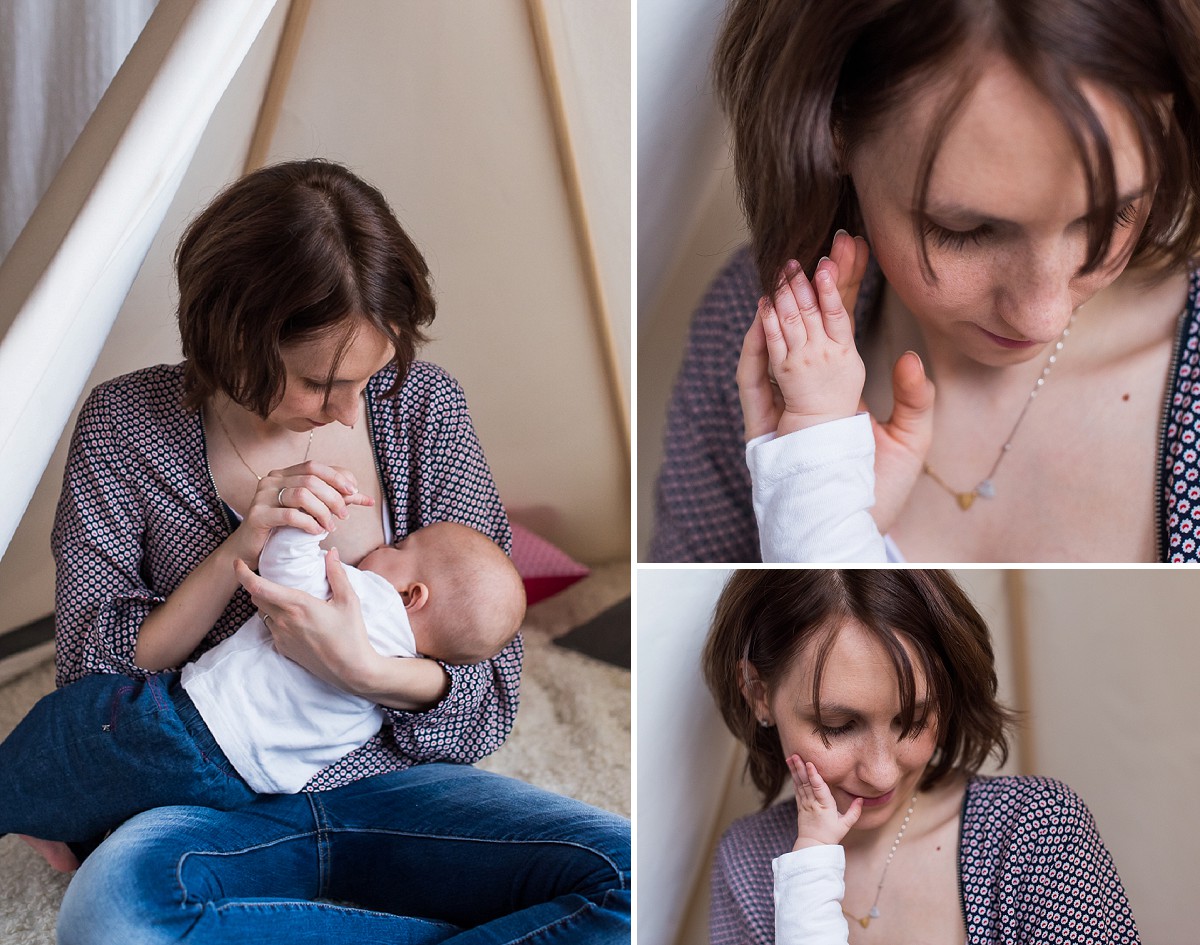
x,y
326,637
311,496
799,365
902,443
329,639
817,818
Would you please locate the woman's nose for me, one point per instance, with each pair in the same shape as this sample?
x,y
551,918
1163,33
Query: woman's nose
x,y
343,407
878,767
1038,302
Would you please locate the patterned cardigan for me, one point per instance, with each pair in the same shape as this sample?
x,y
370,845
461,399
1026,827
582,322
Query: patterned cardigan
x,y
139,510
1032,869
703,510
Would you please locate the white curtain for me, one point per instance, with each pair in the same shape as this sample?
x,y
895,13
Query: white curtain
x,y
56,59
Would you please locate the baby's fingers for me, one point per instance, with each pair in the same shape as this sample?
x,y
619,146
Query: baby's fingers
x,y
835,318
800,781
819,788
853,812
776,343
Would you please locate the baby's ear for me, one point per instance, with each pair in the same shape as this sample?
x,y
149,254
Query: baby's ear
x,y
415,596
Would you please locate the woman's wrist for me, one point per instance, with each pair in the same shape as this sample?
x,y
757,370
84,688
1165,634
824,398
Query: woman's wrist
x,y
408,683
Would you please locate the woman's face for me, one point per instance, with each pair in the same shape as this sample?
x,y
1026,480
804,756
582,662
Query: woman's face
x,y
304,405
1004,215
857,747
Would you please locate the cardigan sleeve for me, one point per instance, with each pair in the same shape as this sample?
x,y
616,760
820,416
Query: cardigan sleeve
x,y
702,509
101,594
1060,881
742,908
449,480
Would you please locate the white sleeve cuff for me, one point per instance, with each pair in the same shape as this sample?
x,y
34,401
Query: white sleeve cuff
x,y
809,886
813,491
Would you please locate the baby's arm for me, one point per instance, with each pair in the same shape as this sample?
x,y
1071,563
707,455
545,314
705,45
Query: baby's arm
x,y
809,881
294,558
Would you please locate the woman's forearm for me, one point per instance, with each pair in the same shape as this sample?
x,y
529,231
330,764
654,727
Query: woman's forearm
x,y
173,630
408,683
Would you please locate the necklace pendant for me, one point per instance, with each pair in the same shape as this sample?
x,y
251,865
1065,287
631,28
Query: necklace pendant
x,y
865,921
965,499
985,490
874,913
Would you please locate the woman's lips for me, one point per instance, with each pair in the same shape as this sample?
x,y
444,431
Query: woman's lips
x,y
877,801
1008,342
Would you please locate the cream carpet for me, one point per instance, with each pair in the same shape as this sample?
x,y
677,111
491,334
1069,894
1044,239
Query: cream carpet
x,y
572,736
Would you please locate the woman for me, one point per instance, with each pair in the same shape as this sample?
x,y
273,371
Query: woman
x,y
1025,178
302,302
882,684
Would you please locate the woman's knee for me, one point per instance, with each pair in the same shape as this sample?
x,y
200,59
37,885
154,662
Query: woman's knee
x,y
128,888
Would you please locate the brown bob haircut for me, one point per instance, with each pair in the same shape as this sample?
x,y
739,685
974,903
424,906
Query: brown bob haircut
x,y
805,82
768,617
291,253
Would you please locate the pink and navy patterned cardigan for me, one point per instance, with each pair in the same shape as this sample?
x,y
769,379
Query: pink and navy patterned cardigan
x,y
1032,869
703,510
139,511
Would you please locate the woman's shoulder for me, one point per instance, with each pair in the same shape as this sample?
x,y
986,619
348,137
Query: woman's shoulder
x,y
758,838
424,381
151,397
1002,811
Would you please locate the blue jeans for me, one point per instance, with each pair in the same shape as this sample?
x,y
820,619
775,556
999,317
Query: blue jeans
x,y
435,853
89,756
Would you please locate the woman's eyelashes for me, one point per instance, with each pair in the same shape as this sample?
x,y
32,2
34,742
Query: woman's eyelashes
x,y
829,732
957,240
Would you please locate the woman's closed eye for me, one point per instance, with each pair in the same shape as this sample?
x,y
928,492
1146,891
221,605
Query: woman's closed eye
x,y
826,731
957,240
834,731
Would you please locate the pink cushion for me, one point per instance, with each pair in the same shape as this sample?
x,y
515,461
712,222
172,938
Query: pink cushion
x,y
544,569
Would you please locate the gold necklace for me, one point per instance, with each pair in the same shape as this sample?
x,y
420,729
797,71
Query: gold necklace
x,y
238,452
873,912
986,489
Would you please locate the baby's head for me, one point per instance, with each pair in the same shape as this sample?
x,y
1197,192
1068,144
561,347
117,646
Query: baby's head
x,y
465,600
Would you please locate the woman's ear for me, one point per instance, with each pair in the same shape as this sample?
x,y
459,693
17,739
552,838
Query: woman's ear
x,y
415,596
841,160
754,691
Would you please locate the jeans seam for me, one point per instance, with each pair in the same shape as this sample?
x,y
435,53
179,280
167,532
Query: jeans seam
x,y
186,855
617,871
561,920
322,834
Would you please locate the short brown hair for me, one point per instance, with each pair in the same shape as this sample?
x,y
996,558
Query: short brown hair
x,y
285,254
767,616
795,77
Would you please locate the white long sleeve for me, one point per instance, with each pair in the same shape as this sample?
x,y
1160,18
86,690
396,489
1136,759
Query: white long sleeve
x,y
809,886
813,492
294,558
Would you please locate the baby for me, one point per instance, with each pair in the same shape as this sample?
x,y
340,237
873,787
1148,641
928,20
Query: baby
x,y
242,719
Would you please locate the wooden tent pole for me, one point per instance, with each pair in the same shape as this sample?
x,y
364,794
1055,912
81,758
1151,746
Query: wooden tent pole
x,y
1018,620
579,219
281,74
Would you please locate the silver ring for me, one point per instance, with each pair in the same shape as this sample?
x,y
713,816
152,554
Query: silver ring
x,y
264,615
279,498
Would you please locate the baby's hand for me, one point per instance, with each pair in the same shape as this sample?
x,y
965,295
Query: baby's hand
x,y
805,336
817,818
